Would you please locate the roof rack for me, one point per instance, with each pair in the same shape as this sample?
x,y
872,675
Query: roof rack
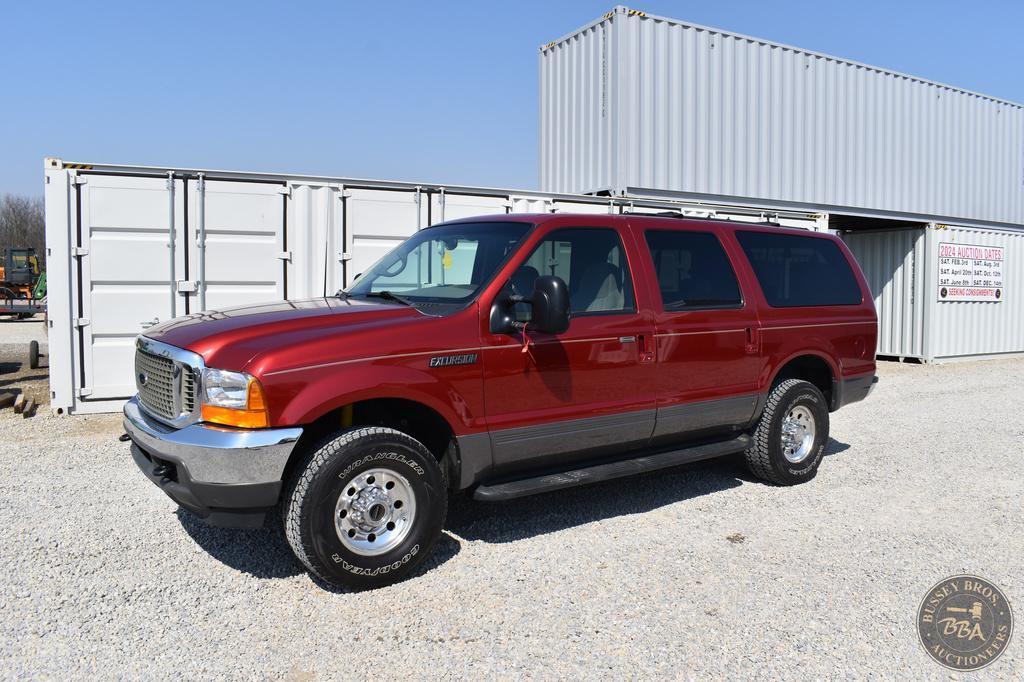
x,y
771,220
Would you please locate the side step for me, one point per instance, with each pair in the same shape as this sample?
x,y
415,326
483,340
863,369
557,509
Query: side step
x,y
609,471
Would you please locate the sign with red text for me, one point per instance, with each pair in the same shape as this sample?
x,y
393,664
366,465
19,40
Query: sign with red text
x,y
970,272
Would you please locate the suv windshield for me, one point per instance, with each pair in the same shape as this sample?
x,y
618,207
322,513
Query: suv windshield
x,y
443,264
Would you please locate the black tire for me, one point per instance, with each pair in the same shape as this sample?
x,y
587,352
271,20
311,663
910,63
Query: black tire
x,y
33,354
765,457
327,472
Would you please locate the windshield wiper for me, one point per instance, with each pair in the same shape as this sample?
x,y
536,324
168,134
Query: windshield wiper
x,y
388,296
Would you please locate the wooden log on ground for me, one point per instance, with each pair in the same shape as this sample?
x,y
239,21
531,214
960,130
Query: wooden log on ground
x,y
6,400
29,409
19,403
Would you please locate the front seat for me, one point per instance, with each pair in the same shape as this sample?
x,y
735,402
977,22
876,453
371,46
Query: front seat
x,y
523,279
600,288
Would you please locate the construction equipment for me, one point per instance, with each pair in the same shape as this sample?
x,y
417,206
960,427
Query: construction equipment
x,y
22,283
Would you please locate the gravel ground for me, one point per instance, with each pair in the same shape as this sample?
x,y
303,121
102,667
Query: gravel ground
x,y
15,374
692,572
19,332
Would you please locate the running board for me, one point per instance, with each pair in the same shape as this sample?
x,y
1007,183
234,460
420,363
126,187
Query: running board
x,y
609,471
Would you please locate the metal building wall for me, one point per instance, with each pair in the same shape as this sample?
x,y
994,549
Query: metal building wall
x,y
962,329
894,265
636,101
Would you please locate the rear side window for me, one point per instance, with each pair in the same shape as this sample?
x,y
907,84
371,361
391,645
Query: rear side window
x,y
693,270
797,271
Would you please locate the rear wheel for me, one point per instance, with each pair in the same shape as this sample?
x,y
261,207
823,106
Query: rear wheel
x,y
365,508
790,437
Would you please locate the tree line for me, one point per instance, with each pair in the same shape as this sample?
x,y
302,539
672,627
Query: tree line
x,y
22,224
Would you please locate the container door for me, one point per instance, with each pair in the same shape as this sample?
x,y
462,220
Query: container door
x,y
377,221
893,265
124,278
451,206
246,259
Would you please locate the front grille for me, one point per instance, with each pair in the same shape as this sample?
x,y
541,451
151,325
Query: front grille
x,y
157,389
188,391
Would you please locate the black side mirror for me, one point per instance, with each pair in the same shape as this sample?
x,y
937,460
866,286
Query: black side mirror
x,y
549,308
550,302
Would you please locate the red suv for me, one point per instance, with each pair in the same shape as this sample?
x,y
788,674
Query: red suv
x,y
506,356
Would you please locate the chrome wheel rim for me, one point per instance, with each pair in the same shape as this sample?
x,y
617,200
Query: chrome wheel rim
x,y
375,512
798,431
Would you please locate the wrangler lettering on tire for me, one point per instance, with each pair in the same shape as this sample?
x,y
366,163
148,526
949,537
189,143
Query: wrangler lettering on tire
x,y
790,437
365,507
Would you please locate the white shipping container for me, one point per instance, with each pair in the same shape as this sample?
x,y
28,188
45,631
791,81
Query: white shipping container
x,y
636,104
915,321
132,246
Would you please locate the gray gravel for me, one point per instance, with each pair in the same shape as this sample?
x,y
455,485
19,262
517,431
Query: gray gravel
x,y
15,332
689,573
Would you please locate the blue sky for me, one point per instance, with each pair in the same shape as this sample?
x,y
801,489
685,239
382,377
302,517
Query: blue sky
x,y
439,92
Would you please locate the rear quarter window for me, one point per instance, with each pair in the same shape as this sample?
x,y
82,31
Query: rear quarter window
x,y
797,272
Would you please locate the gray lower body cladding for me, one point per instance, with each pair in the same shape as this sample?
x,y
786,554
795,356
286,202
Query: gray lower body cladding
x,y
558,444
852,389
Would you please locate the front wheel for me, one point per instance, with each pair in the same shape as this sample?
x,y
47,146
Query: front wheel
x,y
365,508
790,437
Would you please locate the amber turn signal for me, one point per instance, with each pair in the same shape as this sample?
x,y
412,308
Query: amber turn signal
x,y
254,416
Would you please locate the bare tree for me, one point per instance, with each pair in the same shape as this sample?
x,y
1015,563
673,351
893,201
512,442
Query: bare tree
x,y
22,223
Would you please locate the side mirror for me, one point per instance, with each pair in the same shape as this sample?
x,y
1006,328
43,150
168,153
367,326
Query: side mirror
x,y
549,308
550,302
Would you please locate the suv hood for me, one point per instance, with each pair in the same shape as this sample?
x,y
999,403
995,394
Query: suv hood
x,y
231,338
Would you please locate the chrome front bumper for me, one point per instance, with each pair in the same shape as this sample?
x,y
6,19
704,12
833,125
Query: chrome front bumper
x,y
214,454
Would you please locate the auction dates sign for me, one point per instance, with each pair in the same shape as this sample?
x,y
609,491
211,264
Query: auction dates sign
x,y
968,272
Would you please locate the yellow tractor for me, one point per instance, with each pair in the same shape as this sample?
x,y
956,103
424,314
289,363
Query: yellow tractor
x,y
22,283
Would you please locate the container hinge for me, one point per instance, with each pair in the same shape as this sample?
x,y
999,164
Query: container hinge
x,y
83,392
79,180
344,256
79,251
186,286
82,322
286,190
285,255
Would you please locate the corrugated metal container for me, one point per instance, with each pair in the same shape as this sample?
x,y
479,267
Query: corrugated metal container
x,y
902,269
633,102
235,238
893,262
959,329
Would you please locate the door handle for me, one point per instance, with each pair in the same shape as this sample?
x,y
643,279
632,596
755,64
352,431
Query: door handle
x,y
753,339
646,349
627,339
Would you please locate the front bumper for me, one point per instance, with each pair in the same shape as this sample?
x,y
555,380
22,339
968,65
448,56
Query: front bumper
x,y
228,477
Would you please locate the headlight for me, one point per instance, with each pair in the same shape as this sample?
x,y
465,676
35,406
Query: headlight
x,y
233,398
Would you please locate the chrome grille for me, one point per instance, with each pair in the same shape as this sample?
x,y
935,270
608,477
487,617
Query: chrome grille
x,y
169,381
188,390
156,393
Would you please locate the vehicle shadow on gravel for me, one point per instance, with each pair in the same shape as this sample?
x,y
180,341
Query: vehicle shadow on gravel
x,y
260,552
834,447
264,552
551,512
